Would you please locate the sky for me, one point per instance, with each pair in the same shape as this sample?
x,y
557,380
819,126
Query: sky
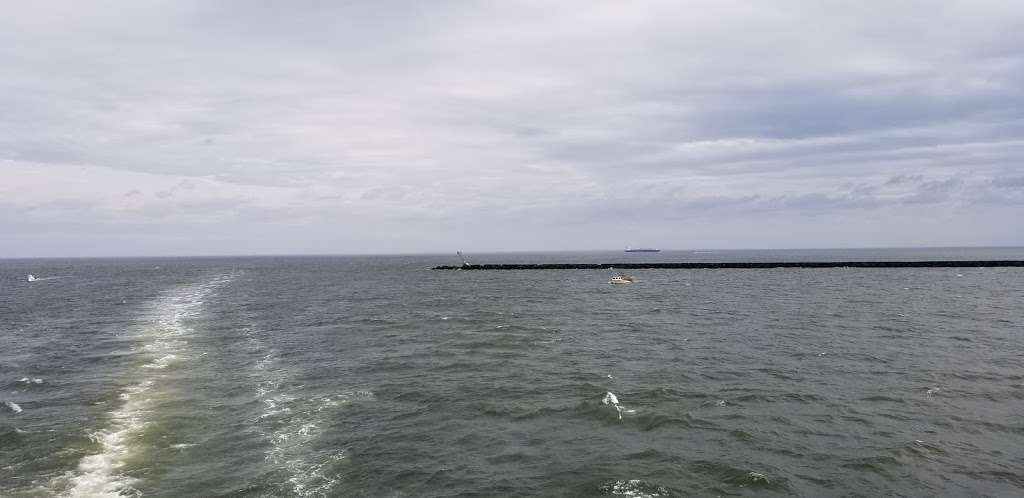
x,y
184,127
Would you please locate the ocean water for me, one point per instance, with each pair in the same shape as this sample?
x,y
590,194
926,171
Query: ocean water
x,y
374,376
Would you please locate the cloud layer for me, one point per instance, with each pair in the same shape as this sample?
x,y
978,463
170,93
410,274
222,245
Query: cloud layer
x,y
184,127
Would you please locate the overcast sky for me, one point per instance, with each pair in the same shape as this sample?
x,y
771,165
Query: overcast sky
x,y
231,127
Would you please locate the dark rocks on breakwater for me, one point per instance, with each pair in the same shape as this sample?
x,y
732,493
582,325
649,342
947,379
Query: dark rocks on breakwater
x,y
737,265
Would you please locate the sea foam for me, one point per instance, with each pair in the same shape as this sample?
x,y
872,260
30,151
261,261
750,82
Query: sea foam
x,y
100,474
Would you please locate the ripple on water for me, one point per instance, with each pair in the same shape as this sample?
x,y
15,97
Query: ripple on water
x,y
723,473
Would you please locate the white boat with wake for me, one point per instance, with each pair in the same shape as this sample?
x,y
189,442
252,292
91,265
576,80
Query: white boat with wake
x,y
621,278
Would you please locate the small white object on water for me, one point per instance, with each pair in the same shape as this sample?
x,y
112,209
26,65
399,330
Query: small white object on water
x,y
932,390
757,476
610,398
610,376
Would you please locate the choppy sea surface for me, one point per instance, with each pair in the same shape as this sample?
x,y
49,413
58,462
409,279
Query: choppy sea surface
x,y
374,376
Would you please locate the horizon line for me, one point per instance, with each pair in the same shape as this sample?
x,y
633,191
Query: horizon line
x,y
524,251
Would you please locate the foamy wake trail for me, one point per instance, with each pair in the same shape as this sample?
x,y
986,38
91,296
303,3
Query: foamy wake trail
x,y
292,423
100,475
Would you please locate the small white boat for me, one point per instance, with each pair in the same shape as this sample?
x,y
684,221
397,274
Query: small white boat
x,y
32,278
621,279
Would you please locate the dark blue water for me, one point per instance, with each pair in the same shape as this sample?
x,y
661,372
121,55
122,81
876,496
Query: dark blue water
x,y
372,376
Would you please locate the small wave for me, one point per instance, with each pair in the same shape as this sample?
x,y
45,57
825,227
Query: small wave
x,y
12,406
881,465
652,422
162,362
610,398
634,488
521,413
275,406
28,381
743,478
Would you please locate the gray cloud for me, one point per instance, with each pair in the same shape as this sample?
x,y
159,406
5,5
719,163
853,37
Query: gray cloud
x,y
397,126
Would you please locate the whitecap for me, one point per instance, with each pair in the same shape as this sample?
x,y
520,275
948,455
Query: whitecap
x,y
610,398
163,361
12,406
634,488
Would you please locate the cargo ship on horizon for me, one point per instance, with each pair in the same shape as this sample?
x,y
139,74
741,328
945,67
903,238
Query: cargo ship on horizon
x,y
641,249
